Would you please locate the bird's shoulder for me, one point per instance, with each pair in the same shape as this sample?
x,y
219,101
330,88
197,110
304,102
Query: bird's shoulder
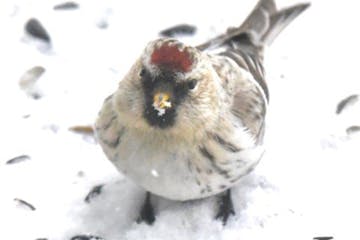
x,y
247,98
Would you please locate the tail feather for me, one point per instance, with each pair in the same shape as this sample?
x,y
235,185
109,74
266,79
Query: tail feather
x,y
280,20
259,20
261,27
245,44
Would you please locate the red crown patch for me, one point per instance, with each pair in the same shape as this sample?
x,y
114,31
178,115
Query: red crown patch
x,y
172,58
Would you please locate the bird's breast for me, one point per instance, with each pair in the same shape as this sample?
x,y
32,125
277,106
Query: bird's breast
x,y
181,171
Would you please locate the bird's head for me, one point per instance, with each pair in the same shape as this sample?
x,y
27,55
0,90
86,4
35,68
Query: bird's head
x,y
172,88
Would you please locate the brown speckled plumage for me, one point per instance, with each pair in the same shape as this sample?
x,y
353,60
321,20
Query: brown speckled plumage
x,y
188,122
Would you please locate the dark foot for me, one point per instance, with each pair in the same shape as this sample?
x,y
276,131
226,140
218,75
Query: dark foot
x,y
147,211
226,207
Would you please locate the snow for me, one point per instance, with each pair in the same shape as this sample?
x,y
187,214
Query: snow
x,y
154,173
305,186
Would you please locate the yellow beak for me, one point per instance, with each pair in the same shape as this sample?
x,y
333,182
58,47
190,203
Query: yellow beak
x,y
161,100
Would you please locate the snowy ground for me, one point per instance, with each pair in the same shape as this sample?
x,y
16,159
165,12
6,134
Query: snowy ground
x,y
306,185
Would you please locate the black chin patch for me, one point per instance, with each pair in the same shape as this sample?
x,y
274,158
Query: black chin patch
x,y
164,81
164,121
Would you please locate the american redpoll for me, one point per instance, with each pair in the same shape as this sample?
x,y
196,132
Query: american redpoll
x,y
188,122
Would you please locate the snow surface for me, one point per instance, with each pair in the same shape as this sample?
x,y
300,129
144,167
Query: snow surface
x,y
306,186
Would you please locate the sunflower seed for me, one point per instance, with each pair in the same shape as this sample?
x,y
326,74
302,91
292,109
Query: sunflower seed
x,y
350,100
18,159
86,237
66,6
181,29
24,204
94,192
35,29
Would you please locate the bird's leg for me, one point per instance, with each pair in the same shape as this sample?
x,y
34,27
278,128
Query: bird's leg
x,y
226,207
147,211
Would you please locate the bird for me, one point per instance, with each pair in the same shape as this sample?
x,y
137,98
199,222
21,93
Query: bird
x,y
188,122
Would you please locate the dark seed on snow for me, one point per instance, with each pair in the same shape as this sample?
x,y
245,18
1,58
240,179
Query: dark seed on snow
x,y
86,237
181,29
28,81
41,239
80,174
350,100
18,159
35,29
36,96
323,238
352,129
102,24
66,6
25,204
94,192
86,130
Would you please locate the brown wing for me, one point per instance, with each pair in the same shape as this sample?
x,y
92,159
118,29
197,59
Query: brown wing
x,y
250,107
248,98
244,45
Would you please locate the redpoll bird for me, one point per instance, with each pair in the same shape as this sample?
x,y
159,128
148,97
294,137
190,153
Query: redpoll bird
x,y
188,122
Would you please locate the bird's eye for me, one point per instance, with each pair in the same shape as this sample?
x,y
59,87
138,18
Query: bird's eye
x,y
142,72
192,84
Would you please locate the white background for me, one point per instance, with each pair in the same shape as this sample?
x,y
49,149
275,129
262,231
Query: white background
x,y
306,185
